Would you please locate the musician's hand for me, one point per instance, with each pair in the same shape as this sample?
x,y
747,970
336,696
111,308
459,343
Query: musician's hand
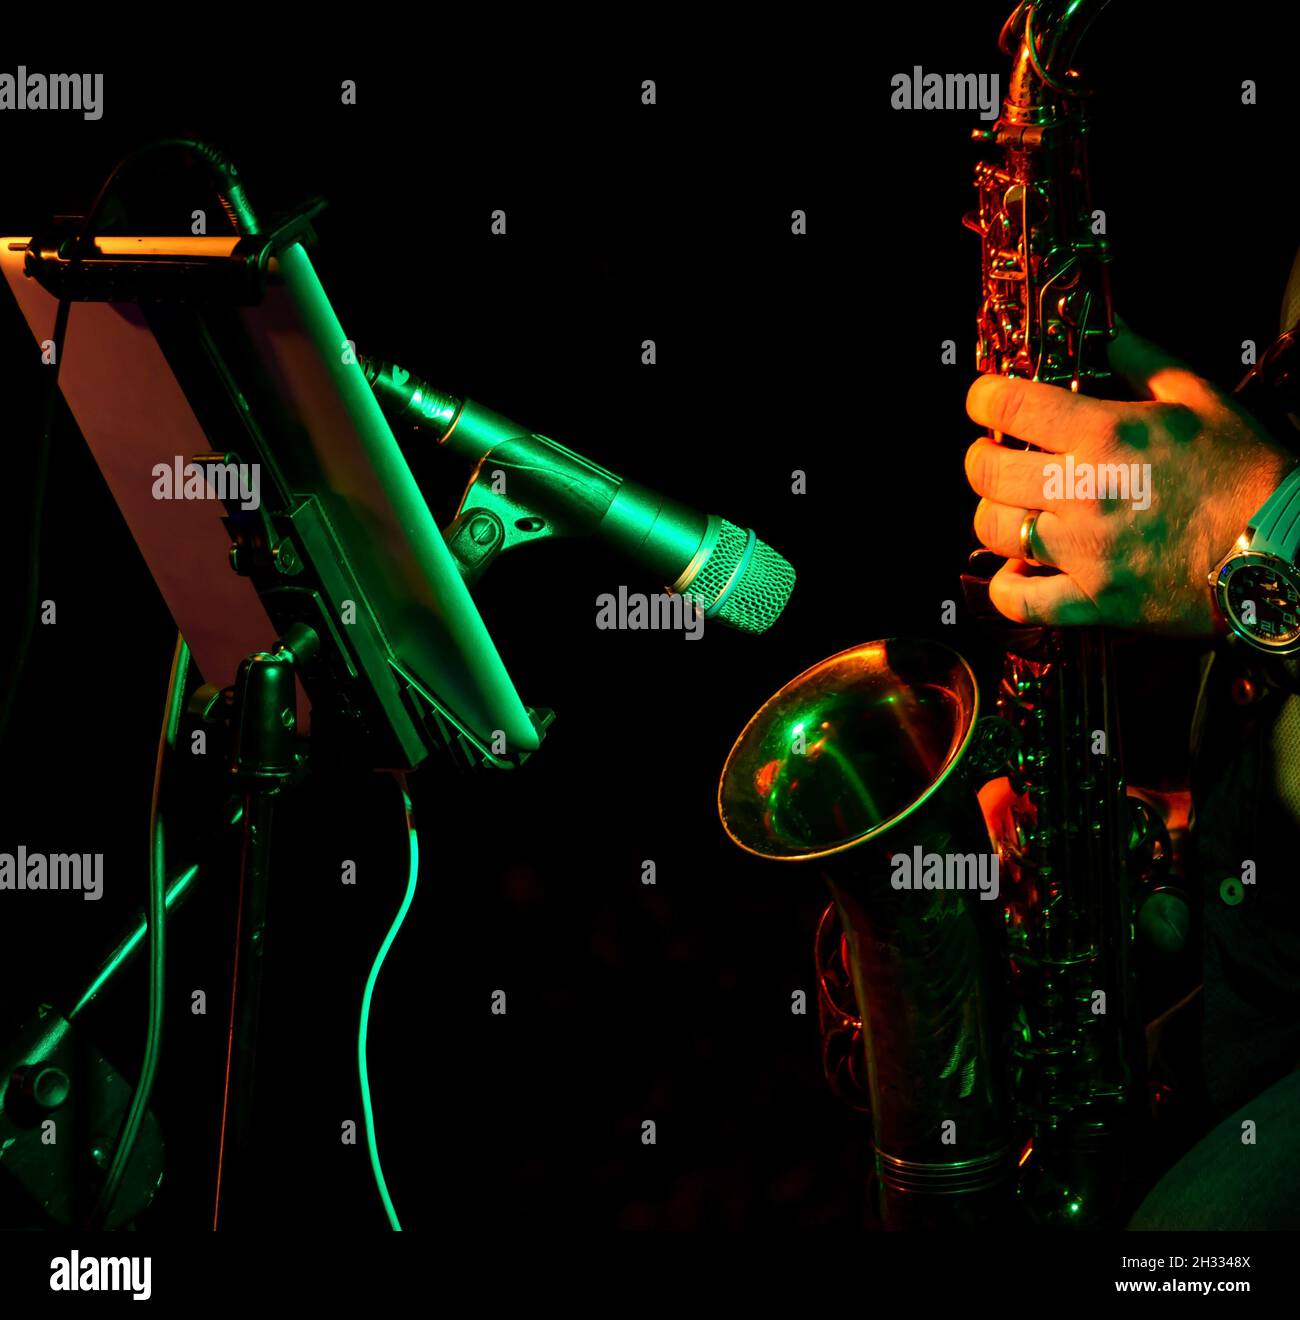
x,y
1192,470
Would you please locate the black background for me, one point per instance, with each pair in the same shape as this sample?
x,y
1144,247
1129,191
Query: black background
x,y
775,352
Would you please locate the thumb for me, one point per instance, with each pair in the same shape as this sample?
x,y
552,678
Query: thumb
x,y
1158,374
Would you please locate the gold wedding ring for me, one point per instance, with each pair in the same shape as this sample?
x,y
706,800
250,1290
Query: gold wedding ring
x,y
1027,525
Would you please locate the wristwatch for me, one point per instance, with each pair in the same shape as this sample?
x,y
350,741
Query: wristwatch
x,y
1257,585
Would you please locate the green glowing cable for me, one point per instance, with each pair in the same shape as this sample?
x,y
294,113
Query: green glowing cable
x,y
366,1107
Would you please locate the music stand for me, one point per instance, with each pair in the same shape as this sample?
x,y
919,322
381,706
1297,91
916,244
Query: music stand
x,y
223,357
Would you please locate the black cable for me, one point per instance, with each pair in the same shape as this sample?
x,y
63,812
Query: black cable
x,y
156,925
235,205
43,446
230,192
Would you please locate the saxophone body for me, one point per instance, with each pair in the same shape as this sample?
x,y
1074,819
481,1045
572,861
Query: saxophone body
x,y
1064,836
996,1045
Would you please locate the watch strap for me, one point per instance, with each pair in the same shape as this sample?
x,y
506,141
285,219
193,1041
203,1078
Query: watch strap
x,y
1277,524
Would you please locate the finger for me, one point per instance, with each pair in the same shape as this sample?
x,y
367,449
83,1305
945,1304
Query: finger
x,y
998,528
1158,374
1011,476
1049,599
1045,415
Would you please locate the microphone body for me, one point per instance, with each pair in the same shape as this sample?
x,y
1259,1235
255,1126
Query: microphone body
x,y
527,485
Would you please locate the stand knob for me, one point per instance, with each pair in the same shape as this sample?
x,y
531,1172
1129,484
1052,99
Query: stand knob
x,y
36,1090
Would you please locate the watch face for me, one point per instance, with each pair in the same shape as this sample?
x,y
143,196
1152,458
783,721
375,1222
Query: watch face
x,y
1260,597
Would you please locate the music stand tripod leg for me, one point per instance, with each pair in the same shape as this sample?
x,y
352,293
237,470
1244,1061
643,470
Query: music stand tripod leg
x,y
266,758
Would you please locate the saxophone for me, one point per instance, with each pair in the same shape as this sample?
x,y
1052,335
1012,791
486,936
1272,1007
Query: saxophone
x,y
1003,1054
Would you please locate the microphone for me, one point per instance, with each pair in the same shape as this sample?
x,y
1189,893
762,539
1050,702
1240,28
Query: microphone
x,y
526,486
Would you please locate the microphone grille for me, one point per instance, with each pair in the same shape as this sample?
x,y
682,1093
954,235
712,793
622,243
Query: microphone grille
x,y
742,582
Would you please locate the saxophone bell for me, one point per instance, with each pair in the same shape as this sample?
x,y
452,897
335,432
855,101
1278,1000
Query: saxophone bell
x,y
858,766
